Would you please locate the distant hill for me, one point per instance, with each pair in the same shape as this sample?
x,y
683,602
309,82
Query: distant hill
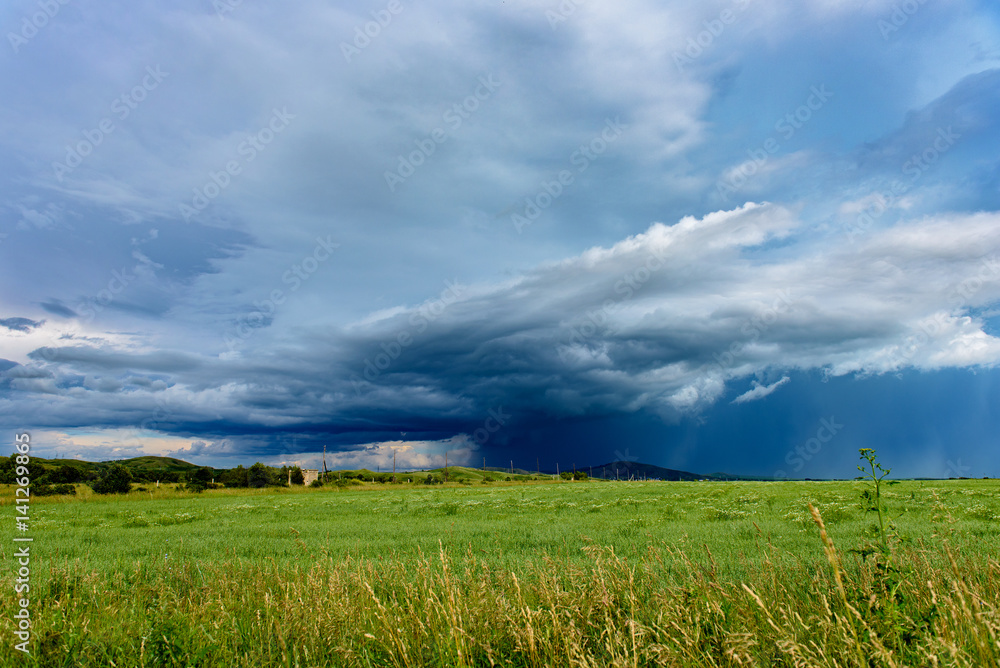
x,y
150,468
626,470
159,463
622,470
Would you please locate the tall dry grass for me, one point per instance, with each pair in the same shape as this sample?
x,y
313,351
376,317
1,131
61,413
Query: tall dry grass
x,y
923,606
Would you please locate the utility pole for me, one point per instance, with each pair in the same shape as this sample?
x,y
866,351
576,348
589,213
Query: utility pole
x,y
324,465
512,467
557,470
484,464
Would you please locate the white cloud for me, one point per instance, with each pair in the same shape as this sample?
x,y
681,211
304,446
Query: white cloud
x,y
759,391
409,456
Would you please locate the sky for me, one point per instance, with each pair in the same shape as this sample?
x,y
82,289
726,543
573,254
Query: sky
x,y
745,236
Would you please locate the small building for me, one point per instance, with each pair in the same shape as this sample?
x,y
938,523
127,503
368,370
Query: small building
x,y
308,475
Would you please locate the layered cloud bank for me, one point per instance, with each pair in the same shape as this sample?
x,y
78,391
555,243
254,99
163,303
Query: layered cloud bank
x,y
662,322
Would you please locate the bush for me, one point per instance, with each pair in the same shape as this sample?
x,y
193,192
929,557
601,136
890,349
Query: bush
x,y
236,477
8,466
297,477
116,480
50,490
316,483
258,476
66,474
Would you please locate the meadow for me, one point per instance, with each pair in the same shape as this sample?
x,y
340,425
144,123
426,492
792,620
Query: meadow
x,y
515,574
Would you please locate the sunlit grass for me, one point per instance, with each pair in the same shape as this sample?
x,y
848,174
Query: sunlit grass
x,y
565,573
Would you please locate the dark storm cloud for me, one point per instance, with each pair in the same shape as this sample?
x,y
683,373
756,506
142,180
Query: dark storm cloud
x,y
20,324
657,324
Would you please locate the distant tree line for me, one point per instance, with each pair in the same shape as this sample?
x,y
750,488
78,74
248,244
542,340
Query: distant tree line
x,y
43,481
117,478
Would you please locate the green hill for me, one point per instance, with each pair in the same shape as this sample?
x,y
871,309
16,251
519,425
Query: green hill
x,y
149,462
621,470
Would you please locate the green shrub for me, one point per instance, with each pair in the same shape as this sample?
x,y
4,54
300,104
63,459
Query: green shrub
x,y
236,477
66,474
50,490
116,480
258,476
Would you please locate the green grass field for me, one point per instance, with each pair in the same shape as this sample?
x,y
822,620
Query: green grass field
x,y
524,574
